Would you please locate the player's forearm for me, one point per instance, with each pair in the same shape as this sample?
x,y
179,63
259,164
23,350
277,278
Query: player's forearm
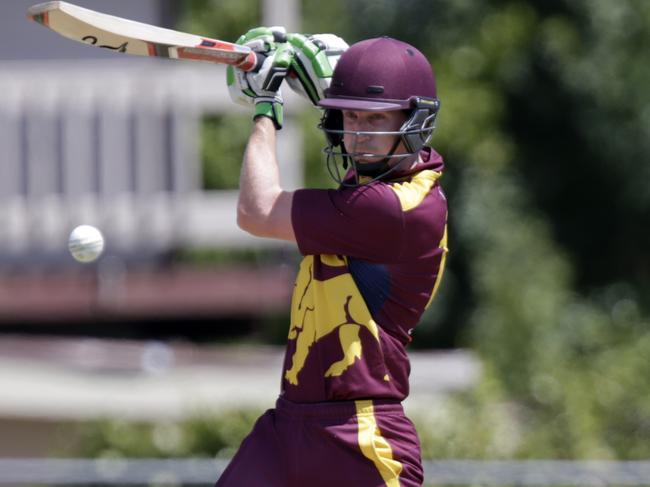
x,y
259,183
261,199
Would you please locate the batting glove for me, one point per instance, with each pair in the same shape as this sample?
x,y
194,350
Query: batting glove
x,y
313,63
262,87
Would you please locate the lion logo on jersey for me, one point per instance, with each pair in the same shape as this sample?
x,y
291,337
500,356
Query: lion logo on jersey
x,y
326,300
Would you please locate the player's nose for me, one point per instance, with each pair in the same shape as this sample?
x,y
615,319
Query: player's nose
x,y
362,135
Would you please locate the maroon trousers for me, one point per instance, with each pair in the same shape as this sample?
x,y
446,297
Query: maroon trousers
x,y
367,443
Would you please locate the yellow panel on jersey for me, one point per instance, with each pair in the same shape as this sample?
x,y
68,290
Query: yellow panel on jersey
x,y
325,304
412,193
441,269
374,446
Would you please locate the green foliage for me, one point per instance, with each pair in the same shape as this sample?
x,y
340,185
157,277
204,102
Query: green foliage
x,y
221,19
223,140
475,425
572,367
225,257
316,175
204,435
334,19
274,328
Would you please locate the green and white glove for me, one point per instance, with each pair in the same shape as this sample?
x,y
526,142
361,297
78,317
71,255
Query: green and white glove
x,y
313,63
262,87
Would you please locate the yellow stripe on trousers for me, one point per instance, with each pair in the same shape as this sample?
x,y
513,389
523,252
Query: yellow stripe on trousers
x,y
374,446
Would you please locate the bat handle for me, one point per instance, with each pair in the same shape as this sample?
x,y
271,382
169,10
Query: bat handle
x,y
252,62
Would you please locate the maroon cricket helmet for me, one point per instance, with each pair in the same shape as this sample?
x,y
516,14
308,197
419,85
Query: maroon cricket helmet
x,y
380,74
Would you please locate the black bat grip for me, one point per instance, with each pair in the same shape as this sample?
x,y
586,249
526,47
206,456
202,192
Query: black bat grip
x,y
260,60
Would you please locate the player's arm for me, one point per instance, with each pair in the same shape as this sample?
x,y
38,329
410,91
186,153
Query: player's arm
x,y
263,209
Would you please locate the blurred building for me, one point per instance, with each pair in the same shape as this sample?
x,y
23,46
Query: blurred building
x,y
94,137
89,136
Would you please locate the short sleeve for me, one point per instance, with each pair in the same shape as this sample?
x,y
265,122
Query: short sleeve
x,y
364,222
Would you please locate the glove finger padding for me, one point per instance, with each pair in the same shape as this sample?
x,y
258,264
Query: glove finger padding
x,y
262,41
268,99
313,63
262,87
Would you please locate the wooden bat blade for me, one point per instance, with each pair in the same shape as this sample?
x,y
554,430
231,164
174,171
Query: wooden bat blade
x,y
131,37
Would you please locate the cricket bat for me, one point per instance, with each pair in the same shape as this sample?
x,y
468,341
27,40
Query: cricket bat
x,y
127,36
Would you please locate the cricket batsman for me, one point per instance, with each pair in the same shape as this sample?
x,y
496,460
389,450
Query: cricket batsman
x,y
373,256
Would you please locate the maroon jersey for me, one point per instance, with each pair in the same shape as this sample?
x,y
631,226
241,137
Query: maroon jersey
x,y
373,259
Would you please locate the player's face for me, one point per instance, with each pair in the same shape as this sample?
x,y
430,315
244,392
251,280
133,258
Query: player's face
x,y
363,144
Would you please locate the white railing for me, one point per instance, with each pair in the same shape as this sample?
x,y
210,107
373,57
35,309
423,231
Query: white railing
x,y
116,144
201,471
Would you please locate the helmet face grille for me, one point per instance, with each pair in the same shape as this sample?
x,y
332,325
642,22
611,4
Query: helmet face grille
x,y
418,129
338,160
414,134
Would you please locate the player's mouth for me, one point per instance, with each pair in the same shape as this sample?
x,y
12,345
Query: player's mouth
x,y
365,154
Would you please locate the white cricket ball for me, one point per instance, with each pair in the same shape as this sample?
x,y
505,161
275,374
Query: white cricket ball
x,y
86,243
